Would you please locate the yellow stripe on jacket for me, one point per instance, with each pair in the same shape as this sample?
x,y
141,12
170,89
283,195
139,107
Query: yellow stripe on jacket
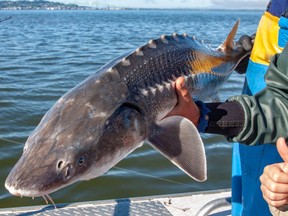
x,y
266,41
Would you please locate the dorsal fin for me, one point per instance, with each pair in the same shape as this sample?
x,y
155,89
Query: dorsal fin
x,y
228,44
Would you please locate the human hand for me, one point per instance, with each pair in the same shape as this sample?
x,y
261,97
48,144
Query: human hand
x,y
185,106
274,180
244,44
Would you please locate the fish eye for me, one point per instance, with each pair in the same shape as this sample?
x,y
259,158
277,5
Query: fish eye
x,y
81,161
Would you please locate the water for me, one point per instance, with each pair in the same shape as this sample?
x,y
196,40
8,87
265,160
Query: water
x,y
43,54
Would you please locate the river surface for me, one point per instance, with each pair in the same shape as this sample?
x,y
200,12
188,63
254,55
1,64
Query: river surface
x,y
43,54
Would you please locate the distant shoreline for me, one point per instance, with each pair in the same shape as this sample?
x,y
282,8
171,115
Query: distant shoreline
x,y
56,6
138,9
47,5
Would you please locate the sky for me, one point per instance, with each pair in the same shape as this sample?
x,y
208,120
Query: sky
x,y
223,4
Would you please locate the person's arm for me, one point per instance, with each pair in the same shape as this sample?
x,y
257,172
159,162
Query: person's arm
x,y
266,113
247,119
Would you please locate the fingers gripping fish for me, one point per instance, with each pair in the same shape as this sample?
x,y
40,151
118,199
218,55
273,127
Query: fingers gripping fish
x,y
114,111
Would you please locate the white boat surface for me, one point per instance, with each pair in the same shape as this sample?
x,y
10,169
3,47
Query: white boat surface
x,y
213,203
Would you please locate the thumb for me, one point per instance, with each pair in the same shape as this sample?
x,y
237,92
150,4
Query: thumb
x,y
283,151
182,90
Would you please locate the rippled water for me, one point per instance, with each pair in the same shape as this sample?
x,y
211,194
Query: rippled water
x,y
45,53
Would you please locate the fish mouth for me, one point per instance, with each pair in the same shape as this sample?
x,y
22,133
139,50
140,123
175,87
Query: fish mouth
x,y
21,188
21,192
29,192
30,189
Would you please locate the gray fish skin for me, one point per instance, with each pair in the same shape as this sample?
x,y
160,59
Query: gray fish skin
x,y
114,111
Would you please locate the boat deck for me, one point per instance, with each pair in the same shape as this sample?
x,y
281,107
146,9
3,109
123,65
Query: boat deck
x,y
216,203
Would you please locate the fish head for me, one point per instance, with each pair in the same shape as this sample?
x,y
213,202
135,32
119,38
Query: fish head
x,y
75,141
40,172
58,151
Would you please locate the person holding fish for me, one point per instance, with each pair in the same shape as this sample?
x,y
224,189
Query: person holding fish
x,y
122,105
253,120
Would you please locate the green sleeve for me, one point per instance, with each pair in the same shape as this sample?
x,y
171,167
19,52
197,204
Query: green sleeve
x,y
266,113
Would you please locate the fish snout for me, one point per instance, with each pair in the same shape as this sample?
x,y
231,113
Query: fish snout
x,y
11,184
31,179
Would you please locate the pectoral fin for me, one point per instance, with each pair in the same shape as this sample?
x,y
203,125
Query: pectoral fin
x,y
178,140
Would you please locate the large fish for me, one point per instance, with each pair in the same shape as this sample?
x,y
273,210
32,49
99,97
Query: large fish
x,y
114,111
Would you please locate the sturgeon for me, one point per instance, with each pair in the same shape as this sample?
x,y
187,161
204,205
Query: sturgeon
x,y
114,111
